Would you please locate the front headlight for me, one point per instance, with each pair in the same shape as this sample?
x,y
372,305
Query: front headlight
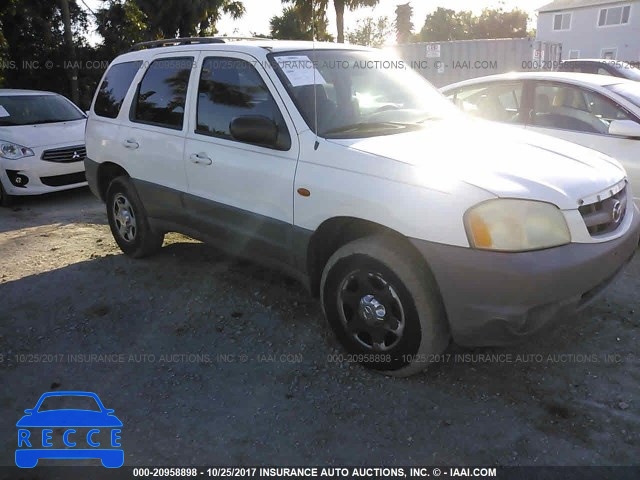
x,y
14,151
512,225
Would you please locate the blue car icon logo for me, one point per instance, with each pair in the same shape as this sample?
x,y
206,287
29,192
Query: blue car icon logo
x,y
53,430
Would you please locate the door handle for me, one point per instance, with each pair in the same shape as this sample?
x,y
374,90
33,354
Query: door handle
x,y
131,144
201,159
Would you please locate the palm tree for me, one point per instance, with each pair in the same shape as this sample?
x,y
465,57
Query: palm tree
x,y
296,25
339,5
178,17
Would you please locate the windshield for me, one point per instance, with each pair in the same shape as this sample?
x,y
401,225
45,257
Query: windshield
x,y
36,109
630,91
359,93
628,71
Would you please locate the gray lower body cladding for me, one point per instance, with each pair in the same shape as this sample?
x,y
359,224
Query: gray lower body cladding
x,y
91,171
490,298
494,298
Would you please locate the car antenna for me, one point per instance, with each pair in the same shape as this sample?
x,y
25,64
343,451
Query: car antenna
x,y
315,86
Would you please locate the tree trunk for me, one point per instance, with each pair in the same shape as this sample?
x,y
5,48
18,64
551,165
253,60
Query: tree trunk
x,y
339,5
68,38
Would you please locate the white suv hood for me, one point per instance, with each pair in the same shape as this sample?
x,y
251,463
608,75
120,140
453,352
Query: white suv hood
x,y
46,135
506,161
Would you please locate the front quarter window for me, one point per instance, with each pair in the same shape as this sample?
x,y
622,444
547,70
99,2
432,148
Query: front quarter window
x,y
352,94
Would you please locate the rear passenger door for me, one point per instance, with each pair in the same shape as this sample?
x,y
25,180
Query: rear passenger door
x,y
241,194
152,136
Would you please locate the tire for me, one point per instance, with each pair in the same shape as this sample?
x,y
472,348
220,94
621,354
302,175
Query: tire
x,y
6,200
384,306
128,220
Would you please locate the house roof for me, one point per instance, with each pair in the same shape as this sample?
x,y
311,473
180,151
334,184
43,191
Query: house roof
x,y
557,5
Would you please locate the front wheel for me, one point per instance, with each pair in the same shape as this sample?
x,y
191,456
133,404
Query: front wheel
x,y
128,221
384,306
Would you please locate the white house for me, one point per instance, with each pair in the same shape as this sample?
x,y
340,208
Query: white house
x,y
592,28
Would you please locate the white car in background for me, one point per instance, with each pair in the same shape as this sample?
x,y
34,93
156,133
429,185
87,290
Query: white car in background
x,y
41,144
597,111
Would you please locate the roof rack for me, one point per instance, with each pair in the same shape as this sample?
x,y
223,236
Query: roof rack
x,y
172,42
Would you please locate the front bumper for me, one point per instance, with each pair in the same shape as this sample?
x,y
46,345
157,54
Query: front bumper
x,y
32,176
494,298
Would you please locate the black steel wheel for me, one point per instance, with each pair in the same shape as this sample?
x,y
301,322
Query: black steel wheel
x,y
384,306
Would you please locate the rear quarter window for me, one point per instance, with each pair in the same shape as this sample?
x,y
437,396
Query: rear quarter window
x,y
114,88
161,96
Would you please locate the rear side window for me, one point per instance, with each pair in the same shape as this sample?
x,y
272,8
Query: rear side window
x,y
499,102
231,88
162,93
114,88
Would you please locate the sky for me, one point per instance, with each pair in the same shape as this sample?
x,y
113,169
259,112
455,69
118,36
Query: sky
x,y
259,12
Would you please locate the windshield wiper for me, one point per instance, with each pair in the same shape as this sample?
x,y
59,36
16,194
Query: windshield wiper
x,y
51,120
367,126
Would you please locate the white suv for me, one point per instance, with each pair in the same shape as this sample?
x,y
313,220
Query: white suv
x,y
413,223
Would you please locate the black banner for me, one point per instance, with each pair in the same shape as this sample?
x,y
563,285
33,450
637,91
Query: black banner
x,y
339,473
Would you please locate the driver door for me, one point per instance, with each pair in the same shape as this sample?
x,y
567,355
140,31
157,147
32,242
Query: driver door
x,y
239,194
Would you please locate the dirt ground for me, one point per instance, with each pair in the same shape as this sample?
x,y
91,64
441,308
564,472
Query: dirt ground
x,y
208,360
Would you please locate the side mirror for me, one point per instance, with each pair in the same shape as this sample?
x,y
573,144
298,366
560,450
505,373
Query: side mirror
x,y
625,128
254,129
29,411
109,411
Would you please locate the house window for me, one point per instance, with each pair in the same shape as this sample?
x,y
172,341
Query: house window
x,y
562,21
614,16
609,53
574,54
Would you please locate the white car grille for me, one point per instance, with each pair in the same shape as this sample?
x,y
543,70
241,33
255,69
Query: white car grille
x,y
65,154
605,215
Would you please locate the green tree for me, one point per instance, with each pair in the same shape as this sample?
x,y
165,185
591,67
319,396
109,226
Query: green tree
x,y
296,24
404,25
339,6
4,57
171,18
496,23
445,24
370,32
121,24
34,45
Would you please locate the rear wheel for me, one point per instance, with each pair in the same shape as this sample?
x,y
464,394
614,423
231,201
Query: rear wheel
x,y
128,221
384,306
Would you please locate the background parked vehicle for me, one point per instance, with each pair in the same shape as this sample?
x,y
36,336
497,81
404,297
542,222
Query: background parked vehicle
x,y
601,66
597,111
41,144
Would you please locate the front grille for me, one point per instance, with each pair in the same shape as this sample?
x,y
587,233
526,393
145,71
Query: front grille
x,y
606,215
65,154
62,180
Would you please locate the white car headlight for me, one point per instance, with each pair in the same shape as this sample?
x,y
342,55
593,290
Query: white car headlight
x,y
512,225
14,151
